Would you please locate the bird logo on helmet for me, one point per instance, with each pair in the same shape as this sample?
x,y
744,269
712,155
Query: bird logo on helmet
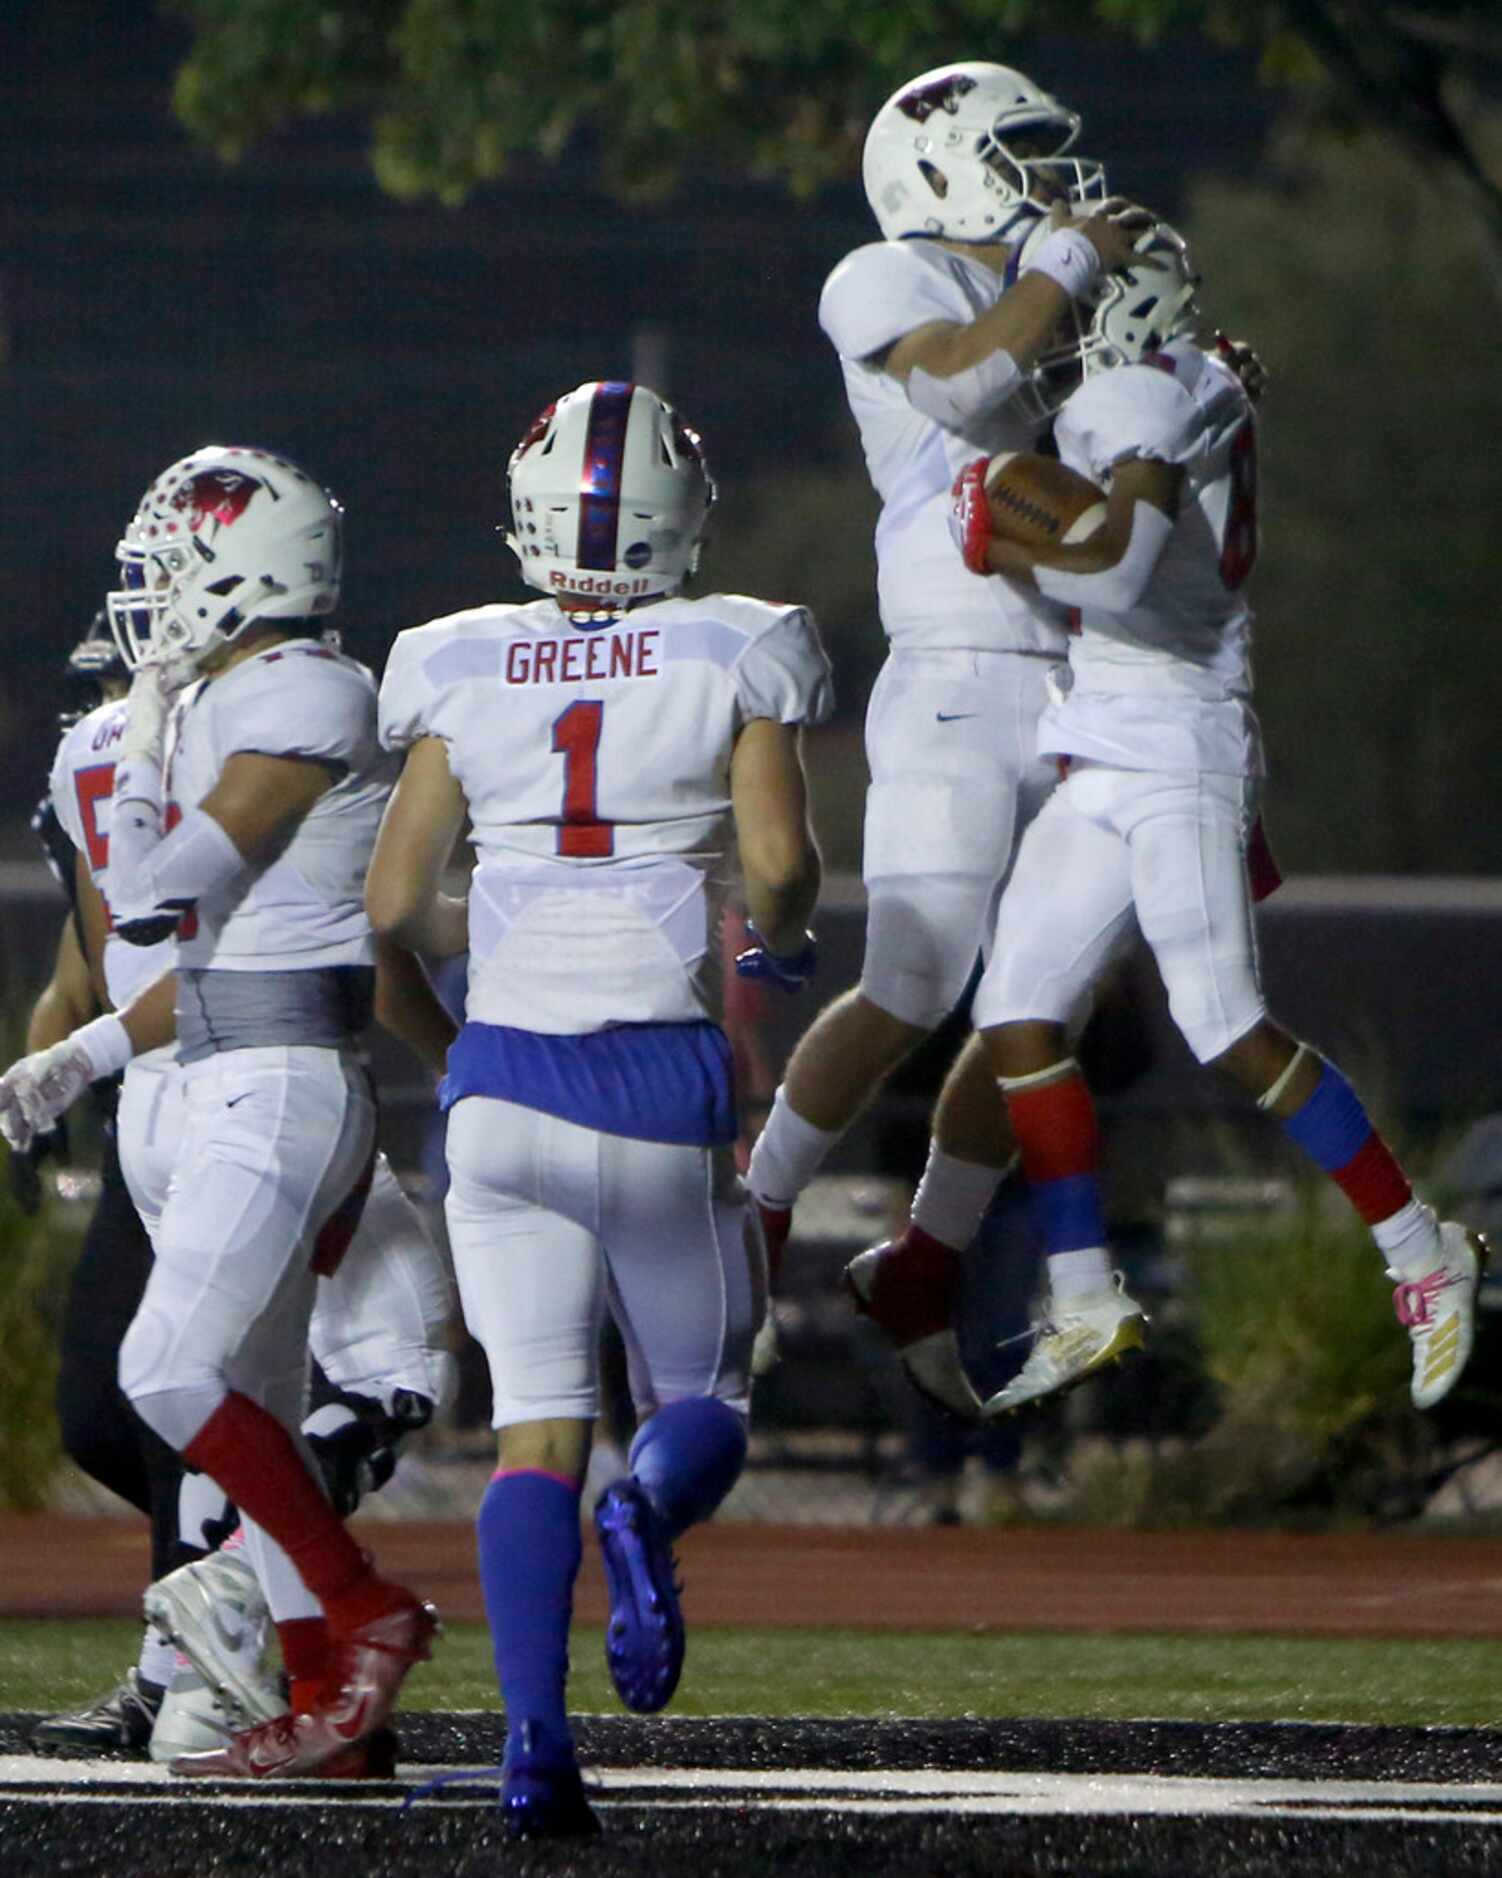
x,y
225,538
940,157
610,491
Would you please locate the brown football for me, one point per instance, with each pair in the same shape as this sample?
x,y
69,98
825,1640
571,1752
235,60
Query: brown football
x,y
1037,501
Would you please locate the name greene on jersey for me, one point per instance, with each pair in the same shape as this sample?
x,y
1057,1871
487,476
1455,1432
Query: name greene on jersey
x,y
621,653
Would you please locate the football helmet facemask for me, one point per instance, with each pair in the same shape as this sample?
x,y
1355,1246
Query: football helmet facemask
x,y
939,157
1144,306
224,539
609,495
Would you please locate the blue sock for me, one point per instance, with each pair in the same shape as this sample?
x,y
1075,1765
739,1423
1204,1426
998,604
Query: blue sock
x,y
688,1457
1067,1214
1332,1127
529,1545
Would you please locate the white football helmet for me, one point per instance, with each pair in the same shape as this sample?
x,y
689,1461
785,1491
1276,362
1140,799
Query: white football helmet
x,y
609,495
222,540
937,160
1143,307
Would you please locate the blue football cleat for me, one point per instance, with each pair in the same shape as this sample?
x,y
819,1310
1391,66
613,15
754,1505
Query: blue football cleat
x,y
644,1638
542,1793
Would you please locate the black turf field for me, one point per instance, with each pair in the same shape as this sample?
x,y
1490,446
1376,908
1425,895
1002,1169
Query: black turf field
x,y
188,1832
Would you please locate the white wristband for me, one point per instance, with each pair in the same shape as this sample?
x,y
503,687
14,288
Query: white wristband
x,y
1069,259
106,1043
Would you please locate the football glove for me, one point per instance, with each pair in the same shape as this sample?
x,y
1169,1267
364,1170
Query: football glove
x,y
35,1091
970,515
790,971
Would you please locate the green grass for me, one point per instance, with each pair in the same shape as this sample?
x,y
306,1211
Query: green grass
x,y
56,1662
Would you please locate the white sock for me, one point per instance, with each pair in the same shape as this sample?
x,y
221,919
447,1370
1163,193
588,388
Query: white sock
x,y
157,1659
1409,1238
1074,1275
952,1197
788,1153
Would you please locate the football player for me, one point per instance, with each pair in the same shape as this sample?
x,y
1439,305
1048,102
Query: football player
x,y
613,745
248,850
1153,822
991,231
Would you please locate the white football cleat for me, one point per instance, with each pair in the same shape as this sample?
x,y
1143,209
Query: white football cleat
x,y
1073,1342
192,1719
1438,1310
214,1612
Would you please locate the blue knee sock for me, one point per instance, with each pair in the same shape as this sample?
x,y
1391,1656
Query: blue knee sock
x,y
688,1457
529,1545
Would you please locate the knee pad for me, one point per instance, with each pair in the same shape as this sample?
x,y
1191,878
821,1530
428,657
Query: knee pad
x,y
169,1398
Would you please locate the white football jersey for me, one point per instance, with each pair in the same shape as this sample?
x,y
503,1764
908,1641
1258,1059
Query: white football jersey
x,y
595,760
929,599
307,908
1168,685
83,775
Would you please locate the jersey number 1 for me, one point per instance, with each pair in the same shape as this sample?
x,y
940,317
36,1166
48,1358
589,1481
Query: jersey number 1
x,y
576,734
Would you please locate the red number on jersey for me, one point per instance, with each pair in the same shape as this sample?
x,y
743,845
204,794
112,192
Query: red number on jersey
x,y
1239,555
576,734
92,786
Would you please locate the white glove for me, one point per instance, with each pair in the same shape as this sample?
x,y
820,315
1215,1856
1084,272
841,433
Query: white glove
x,y
35,1091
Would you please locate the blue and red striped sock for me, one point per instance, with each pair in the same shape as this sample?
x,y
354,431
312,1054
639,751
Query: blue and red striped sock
x,y
1335,1131
1054,1123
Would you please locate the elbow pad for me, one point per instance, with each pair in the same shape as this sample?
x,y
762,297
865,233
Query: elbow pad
x,y
153,879
1114,589
959,400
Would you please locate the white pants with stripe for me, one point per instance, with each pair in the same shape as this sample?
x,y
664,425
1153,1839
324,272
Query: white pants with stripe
x,y
552,1223
1110,843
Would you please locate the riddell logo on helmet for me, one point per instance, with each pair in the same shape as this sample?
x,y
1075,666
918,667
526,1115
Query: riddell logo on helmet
x,y
589,583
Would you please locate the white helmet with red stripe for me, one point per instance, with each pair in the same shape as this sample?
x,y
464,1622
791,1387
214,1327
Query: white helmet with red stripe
x,y
609,495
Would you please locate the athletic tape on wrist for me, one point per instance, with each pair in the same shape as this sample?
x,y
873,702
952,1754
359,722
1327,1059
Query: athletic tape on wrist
x,y
1069,259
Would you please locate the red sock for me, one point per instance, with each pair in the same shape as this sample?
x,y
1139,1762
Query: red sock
x,y
920,1272
249,1453
1373,1182
1054,1123
305,1656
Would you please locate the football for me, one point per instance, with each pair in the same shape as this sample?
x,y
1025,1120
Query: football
x,y
1037,501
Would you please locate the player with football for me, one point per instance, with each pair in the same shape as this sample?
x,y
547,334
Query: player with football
x,y
1152,718
990,231
615,746
248,848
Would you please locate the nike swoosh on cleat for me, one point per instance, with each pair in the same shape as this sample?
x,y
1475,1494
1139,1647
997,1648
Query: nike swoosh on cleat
x,y
349,1729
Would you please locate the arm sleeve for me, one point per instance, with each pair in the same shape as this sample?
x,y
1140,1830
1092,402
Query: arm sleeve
x,y
881,292
784,673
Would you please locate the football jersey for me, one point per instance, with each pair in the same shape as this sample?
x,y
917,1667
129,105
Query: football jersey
x,y
83,775
306,909
595,760
928,597
1167,685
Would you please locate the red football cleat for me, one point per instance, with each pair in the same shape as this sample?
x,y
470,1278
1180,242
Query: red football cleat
x,y
907,1288
367,1667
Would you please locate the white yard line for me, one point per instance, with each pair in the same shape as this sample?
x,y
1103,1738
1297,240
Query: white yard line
x,y
30,1778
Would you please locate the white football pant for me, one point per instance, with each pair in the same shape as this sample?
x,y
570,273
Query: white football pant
x,y
550,1222
950,739
1172,848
